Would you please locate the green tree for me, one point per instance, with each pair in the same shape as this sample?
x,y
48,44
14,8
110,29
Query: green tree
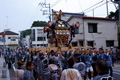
x,y
24,33
114,14
39,23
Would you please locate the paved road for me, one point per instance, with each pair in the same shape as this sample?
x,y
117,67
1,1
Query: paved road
x,y
116,72
3,68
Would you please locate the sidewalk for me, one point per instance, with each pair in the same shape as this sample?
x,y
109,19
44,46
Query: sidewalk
x,y
117,65
3,68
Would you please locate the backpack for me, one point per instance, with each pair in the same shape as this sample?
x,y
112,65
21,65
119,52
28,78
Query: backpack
x,y
55,75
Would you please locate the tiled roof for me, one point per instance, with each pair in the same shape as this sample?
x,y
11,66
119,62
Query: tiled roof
x,y
86,17
9,33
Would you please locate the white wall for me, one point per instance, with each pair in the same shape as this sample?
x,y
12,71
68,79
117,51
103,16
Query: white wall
x,y
27,38
8,41
106,30
39,35
79,36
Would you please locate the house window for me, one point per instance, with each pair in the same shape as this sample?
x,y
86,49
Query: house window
x,y
90,43
76,30
41,39
109,43
74,43
13,38
9,37
1,38
39,31
81,43
33,35
38,44
92,27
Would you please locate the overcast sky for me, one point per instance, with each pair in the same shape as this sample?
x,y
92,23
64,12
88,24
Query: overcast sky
x,y
19,15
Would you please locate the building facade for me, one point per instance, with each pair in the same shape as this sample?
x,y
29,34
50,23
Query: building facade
x,y
95,32
11,39
39,38
26,41
66,15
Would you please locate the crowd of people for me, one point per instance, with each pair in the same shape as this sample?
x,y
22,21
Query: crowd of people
x,y
77,64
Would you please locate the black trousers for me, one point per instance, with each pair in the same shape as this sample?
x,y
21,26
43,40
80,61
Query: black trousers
x,y
111,71
9,65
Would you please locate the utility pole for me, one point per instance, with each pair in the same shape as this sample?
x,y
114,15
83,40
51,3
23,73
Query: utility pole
x,y
119,24
43,39
46,12
4,44
107,7
93,12
118,2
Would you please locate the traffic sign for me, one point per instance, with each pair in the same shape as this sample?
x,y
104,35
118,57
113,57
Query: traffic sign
x,y
3,35
3,40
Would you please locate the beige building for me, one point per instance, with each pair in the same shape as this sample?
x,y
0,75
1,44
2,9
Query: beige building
x,y
11,39
95,31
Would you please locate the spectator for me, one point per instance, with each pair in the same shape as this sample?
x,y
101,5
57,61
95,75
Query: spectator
x,y
28,74
88,65
109,62
80,66
101,67
70,73
94,58
19,72
54,71
9,59
118,55
113,56
43,70
51,54
35,63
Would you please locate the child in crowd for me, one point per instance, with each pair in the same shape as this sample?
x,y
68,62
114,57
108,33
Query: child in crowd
x,y
28,74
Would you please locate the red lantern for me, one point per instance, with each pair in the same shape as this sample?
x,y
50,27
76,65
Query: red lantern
x,y
44,29
49,23
67,36
58,41
65,41
51,42
77,25
64,37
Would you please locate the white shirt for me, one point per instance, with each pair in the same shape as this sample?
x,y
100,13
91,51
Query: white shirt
x,y
70,74
19,74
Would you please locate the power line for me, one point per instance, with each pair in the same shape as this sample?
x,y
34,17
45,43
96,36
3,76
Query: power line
x,y
114,5
80,5
66,5
94,5
55,3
